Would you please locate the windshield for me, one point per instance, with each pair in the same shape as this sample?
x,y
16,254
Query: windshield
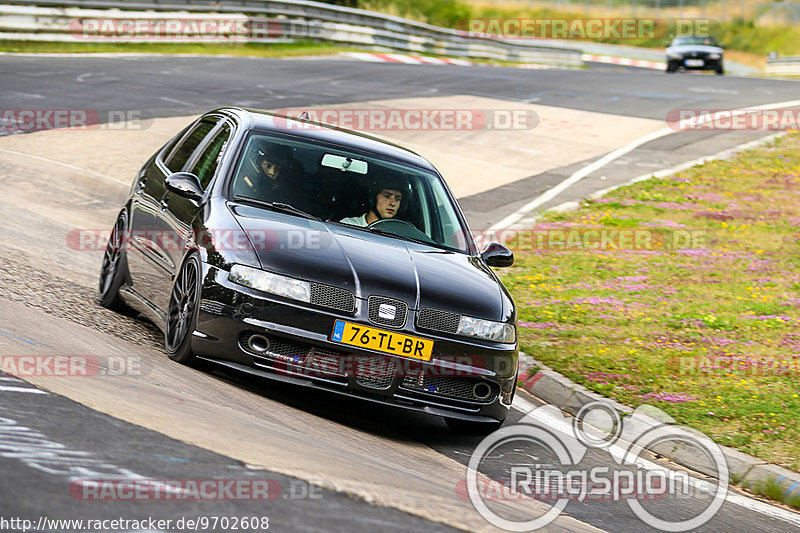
x,y
694,39
348,187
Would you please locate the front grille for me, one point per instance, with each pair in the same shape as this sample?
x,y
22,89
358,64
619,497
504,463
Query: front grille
x,y
452,387
438,320
213,307
374,376
298,357
286,349
333,297
398,308
321,362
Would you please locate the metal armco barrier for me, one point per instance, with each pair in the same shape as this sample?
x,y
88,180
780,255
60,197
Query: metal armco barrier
x,y
783,66
292,19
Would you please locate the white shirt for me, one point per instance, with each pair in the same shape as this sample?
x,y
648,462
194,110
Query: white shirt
x,y
356,221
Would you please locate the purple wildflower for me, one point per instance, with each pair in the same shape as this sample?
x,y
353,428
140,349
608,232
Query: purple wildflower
x,y
672,397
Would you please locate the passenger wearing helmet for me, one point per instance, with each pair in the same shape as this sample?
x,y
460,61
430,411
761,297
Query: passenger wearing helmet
x,y
264,172
385,202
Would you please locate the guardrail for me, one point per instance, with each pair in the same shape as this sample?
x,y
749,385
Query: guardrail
x,y
783,66
293,19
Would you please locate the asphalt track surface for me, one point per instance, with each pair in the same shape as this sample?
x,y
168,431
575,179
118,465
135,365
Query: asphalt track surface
x,y
164,87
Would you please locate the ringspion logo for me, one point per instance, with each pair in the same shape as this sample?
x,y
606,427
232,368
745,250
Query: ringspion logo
x,y
541,458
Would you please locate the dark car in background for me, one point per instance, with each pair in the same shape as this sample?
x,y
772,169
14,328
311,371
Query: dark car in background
x,y
234,239
695,52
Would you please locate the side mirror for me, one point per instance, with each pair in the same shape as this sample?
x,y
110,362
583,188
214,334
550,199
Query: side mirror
x,y
497,255
185,184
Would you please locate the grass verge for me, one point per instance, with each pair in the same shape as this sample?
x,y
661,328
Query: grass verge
x,y
295,49
750,40
770,488
299,48
680,292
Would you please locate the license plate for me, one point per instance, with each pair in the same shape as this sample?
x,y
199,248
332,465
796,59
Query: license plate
x,y
694,62
382,340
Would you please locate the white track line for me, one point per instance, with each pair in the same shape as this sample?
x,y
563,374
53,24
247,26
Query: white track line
x,y
569,206
616,154
527,408
678,168
46,160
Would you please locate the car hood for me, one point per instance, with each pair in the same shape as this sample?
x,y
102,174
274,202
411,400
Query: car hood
x,y
689,48
369,264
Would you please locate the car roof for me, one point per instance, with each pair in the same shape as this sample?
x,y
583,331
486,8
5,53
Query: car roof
x,y
691,36
256,119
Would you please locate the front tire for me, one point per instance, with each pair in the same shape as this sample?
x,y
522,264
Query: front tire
x,y
115,265
184,303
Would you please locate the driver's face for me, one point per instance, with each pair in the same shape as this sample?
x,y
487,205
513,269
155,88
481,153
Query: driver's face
x,y
388,203
270,169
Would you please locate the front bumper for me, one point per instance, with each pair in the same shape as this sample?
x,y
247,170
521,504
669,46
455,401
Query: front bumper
x,y
469,380
696,63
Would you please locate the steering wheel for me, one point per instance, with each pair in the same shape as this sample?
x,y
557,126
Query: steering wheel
x,y
387,223
400,227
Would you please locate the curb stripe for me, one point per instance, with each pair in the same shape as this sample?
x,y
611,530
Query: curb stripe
x,y
22,389
613,60
375,57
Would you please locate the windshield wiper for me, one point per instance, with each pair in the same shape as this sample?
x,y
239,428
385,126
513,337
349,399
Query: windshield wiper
x,y
277,206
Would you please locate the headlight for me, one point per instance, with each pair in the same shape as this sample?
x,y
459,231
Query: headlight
x,y
487,330
674,55
714,56
261,280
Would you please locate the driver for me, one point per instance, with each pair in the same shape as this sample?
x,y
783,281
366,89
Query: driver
x,y
384,203
264,172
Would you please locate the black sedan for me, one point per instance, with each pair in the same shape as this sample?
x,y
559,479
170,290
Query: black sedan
x,y
319,256
695,52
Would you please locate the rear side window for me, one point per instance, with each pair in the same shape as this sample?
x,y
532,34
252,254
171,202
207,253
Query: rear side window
x,y
170,145
185,149
206,165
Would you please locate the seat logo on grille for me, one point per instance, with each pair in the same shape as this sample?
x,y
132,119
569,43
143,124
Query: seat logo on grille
x,y
387,311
